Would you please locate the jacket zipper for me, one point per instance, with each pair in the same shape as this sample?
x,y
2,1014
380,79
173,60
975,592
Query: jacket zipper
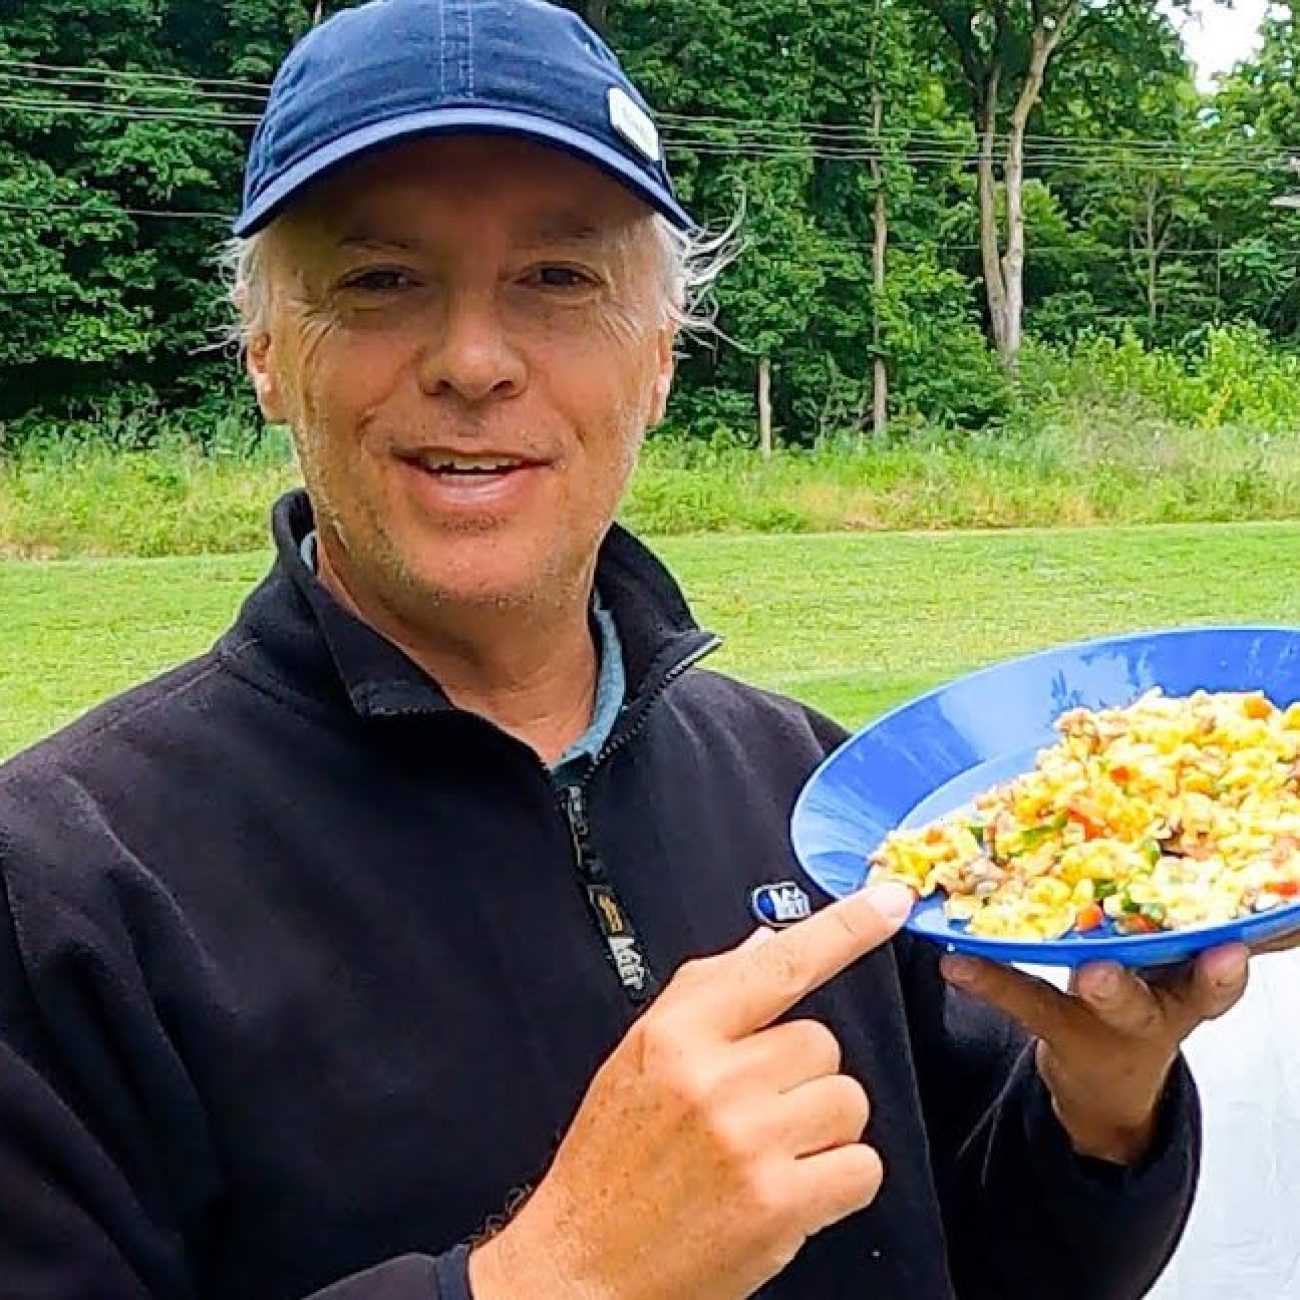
x,y
648,701
612,919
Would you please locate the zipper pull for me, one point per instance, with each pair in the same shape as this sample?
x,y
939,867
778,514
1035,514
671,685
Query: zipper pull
x,y
611,919
575,808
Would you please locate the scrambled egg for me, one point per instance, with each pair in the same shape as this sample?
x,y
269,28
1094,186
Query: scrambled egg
x,y
1164,814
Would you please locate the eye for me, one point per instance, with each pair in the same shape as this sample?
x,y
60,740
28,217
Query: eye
x,y
380,279
561,277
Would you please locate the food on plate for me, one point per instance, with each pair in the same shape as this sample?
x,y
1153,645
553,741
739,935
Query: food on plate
x,y
1167,813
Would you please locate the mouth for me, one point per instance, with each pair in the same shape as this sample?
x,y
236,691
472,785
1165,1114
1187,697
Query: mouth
x,y
453,483
454,466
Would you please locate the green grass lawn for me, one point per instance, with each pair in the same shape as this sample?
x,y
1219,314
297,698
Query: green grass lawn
x,y
850,623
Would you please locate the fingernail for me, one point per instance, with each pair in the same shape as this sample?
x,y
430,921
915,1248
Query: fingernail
x,y
958,970
1105,983
893,901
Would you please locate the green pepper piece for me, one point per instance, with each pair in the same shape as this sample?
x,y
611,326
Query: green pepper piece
x,y
1036,835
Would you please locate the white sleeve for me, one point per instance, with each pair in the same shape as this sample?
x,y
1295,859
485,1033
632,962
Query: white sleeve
x,y
1242,1238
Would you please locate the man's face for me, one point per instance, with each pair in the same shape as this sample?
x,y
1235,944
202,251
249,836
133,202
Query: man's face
x,y
468,337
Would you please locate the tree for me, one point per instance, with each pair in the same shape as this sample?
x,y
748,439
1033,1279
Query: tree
x,y
704,63
1004,52
910,186
1140,207
1257,110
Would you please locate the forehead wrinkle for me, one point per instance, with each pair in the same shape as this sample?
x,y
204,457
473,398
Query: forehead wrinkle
x,y
563,233
562,230
371,241
575,230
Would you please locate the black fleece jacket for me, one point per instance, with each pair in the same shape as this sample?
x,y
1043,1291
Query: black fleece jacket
x,y
300,983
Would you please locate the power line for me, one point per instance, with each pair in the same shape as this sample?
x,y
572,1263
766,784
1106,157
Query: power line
x,y
216,89
704,146
1036,250
91,209
128,112
254,91
1034,163
848,133
32,83
257,89
1116,148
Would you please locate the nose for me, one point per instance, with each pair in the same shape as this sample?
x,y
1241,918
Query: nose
x,y
470,355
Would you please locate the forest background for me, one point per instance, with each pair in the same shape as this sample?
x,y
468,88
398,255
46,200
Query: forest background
x,y
1004,263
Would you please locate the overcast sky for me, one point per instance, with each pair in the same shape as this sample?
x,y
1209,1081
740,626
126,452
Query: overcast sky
x,y
1216,37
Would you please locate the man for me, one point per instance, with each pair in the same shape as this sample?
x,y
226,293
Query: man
x,y
403,945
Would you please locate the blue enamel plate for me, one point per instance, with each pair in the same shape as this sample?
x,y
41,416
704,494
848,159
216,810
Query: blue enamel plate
x,y
935,754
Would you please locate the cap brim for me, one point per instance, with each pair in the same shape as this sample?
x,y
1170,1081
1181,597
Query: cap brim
x,y
457,121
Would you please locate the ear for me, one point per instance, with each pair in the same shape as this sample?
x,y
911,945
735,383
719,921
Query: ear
x,y
260,360
665,369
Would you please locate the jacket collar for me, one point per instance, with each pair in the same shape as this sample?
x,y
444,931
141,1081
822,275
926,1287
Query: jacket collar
x,y
298,632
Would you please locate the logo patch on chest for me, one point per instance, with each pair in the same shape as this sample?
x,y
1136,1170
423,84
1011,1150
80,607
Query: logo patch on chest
x,y
780,904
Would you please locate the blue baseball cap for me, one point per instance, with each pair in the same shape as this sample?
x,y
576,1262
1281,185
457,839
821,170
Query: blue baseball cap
x,y
393,70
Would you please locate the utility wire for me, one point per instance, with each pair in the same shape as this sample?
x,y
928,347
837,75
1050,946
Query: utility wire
x,y
30,83
1221,165
206,89
256,89
1034,163
864,133
128,112
1091,252
91,209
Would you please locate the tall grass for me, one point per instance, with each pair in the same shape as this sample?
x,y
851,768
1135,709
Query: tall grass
x,y
1108,433
1072,468
171,499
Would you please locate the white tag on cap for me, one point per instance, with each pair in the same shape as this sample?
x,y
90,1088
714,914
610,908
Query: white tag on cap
x,y
633,123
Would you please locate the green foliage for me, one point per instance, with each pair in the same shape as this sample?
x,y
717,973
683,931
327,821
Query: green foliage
x,y
943,370
1230,376
1148,206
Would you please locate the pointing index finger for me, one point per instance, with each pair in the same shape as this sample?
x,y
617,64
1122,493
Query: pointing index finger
x,y
756,983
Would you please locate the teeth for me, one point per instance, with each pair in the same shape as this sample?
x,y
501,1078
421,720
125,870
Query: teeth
x,y
467,465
